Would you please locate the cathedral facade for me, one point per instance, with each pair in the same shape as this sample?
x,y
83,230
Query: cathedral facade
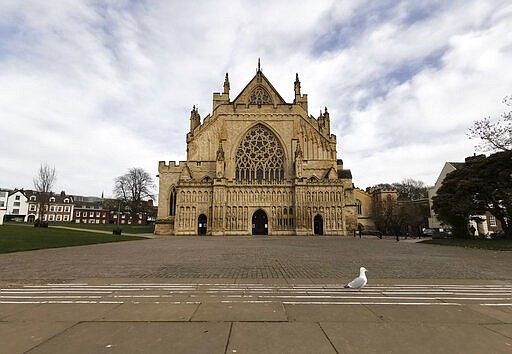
x,y
257,165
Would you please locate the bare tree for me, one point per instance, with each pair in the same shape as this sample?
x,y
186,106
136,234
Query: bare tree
x,y
43,184
411,189
494,134
134,188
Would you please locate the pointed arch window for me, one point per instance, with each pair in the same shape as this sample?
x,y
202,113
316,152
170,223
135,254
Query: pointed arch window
x,y
172,202
260,96
259,156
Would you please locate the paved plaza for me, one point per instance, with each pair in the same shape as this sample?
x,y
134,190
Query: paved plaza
x,y
289,258
256,295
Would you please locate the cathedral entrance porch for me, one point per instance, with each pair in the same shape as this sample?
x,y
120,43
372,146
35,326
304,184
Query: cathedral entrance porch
x,y
318,225
259,223
201,225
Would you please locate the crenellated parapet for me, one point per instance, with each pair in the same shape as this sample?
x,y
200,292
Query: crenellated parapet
x,y
171,166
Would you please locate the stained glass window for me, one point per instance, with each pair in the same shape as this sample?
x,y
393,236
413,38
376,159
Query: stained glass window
x,y
259,156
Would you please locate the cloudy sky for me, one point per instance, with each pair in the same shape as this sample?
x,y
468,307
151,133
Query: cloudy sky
x,y
97,87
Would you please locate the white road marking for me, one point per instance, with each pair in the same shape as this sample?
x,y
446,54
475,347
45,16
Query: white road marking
x,y
320,294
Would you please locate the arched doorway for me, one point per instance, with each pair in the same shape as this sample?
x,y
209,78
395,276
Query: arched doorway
x,y
201,225
318,225
259,223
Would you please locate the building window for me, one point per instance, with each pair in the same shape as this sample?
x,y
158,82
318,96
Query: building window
x,y
492,221
98,214
59,208
15,211
66,217
260,96
52,208
52,199
16,203
59,217
51,217
32,207
33,197
17,197
2,204
66,209
259,156
91,214
359,207
172,202
78,214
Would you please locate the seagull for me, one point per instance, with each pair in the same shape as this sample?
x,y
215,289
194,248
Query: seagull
x,y
360,281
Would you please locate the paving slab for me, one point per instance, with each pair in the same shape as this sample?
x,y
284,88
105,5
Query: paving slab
x,y
240,312
139,337
430,313
500,313
419,338
19,337
10,309
265,337
150,312
75,312
330,313
504,329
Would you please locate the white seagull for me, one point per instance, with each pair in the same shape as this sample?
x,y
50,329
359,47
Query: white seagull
x,y
360,281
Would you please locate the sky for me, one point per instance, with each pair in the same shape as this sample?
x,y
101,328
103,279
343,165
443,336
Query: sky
x,y
97,87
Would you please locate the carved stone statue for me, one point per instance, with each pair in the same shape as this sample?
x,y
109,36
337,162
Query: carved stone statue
x,y
298,161
219,170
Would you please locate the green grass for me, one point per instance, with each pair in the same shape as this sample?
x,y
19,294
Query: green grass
x,y
16,238
131,229
497,245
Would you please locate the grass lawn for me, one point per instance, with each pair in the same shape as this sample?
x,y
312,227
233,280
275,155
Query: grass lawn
x,y
131,229
498,245
15,238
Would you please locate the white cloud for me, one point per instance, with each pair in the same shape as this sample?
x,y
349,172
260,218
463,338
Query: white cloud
x,y
97,88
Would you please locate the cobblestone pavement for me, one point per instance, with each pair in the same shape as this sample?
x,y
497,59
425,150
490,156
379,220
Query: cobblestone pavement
x,y
271,258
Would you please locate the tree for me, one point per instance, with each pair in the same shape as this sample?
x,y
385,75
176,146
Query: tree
x,y
43,184
404,214
134,188
494,135
413,215
408,189
411,189
482,184
386,215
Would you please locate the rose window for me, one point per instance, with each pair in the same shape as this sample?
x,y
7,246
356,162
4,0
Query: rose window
x,y
259,156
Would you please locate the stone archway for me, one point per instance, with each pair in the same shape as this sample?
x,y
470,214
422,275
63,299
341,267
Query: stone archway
x,y
318,225
259,223
201,225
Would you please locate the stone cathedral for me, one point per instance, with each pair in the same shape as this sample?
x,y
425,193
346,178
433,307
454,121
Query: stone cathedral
x,y
257,165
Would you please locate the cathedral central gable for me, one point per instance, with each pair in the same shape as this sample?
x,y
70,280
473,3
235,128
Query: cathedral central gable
x,y
259,91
